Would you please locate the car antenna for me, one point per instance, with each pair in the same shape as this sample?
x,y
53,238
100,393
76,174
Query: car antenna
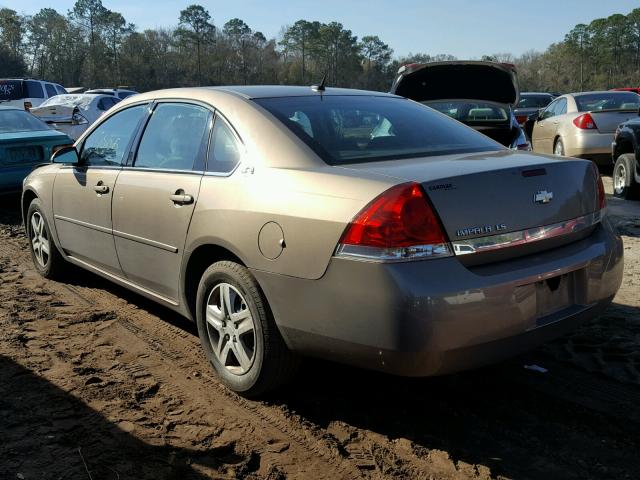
x,y
321,87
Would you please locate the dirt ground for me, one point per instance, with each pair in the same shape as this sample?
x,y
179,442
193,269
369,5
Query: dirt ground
x,y
99,383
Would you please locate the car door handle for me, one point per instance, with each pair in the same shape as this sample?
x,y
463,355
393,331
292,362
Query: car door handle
x,y
100,188
181,198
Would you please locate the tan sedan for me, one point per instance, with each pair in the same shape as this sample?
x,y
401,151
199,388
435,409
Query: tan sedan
x,y
356,226
583,125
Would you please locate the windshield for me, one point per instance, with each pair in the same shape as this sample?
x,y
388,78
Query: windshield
x,y
10,90
534,101
12,121
68,100
470,112
350,129
608,101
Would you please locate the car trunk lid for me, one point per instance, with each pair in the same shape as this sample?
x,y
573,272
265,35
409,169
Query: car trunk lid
x,y
487,81
55,113
607,121
485,194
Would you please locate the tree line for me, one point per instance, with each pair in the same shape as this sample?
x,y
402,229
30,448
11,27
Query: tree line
x,y
93,46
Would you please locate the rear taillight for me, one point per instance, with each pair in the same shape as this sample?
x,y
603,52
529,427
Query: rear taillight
x,y
521,119
585,122
27,106
399,224
602,198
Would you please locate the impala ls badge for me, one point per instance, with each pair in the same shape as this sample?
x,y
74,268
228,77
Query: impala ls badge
x,y
543,197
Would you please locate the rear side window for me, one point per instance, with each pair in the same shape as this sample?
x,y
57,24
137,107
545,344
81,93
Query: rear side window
x,y
224,152
107,144
60,90
607,101
34,89
174,137
51,90
351,129
11,90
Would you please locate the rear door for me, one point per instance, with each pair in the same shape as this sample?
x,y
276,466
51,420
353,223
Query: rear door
x,y
156,194
82,194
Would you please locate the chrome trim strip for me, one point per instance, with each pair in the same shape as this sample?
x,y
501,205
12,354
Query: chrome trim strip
x,y
388,255
83,224
525,237
126,236
145,241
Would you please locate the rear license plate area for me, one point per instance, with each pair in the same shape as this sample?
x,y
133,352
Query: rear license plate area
x,y
17,155
553,295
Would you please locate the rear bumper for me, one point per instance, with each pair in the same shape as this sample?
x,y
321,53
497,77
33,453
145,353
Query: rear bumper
x,y
438,316
590,146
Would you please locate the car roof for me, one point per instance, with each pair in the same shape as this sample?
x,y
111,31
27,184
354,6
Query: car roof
x,y
270,91
580,94
537,93
9,107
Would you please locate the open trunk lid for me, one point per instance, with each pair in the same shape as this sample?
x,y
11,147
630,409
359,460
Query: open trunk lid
x,y
488,81
493,194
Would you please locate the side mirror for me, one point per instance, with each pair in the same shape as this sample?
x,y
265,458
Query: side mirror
x,y
67,155
538,116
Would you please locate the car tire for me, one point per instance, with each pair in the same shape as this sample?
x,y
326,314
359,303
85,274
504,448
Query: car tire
x,y
558,148
624,182
47,259
238,333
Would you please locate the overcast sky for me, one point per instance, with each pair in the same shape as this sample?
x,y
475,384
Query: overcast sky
x,y
464,28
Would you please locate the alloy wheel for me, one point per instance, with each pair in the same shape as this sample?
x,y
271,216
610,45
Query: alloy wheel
x,y
620,178
231,329
39,240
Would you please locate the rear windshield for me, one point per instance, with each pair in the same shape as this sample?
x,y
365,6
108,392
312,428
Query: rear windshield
x,y
534,101
10,90
19,121
470,112
608,101
351,129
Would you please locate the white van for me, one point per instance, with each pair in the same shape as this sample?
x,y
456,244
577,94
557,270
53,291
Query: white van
x,y
26,93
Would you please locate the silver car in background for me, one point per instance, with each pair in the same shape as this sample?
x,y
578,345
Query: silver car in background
x,y
355,226
73,113
583,125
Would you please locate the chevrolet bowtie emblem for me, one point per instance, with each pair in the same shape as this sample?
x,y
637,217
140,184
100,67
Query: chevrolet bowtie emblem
x,y
543,197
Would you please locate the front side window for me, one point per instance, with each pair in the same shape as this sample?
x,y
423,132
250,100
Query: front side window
x,y
350,129
174,137
107,144
224,152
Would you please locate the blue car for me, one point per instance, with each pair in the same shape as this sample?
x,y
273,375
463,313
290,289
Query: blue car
x,y
25,142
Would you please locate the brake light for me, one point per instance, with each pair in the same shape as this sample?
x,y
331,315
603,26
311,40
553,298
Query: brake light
x,y
27,106
585,122
521,119
399,224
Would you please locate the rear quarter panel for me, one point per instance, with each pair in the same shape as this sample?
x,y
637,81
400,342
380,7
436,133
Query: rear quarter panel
x,y
312,207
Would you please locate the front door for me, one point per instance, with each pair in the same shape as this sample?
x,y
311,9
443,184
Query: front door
x,y
155,196
82,194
